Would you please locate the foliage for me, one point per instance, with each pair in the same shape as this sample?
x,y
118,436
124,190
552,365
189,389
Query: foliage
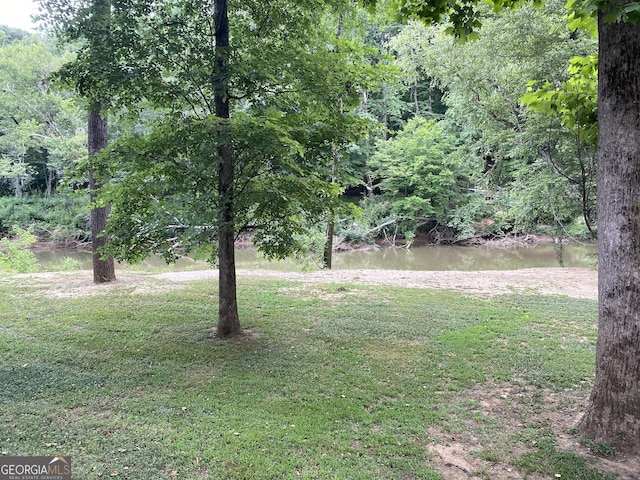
x,y
10,34
574,100
537,198
15,255
410,47
478,215
585,12
42,126
501,139
310,248
465,17
283,130
482,98
60,218
422,175
279,189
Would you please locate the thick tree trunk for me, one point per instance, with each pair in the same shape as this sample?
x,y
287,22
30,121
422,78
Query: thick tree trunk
x,y
103,269
228,319
613,414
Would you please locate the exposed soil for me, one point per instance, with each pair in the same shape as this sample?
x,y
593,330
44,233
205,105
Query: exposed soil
x,y
572,282
511,409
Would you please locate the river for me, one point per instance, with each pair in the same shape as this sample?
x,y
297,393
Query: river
x,y
424,258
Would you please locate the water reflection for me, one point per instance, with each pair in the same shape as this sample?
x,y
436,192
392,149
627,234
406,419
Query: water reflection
x,y
437,258
433,258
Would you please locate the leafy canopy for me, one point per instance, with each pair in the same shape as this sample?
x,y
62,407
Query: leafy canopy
x,y
40,125
575,100
292,81
421,171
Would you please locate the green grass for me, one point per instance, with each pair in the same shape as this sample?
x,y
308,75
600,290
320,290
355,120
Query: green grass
x,y
329,384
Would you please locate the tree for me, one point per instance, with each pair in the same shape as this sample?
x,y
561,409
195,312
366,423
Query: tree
x,y
422,175
92,26
228,319
98,139
40,125
243,132
613,414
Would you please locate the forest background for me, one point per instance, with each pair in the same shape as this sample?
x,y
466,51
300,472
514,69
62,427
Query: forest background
x,y
457,140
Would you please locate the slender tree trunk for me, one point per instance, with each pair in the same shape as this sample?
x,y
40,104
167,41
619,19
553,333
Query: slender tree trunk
x,y
103,269
18,187
586,176
613,414
50,176
327,259
228,319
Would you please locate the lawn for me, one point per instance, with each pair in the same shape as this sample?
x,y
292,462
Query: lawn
x,y
330,381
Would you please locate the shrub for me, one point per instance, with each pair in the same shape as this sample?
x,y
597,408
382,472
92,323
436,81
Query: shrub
x,y
68,265
15,255
60,218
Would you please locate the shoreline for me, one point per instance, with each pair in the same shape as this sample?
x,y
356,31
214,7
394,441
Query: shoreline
x,y
571,282
496,242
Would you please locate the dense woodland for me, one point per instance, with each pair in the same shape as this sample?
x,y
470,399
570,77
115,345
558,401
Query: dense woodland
x,y
456,139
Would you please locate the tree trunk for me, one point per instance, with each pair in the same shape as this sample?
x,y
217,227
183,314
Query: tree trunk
x,y
613,414
327,259
228,319
103,269
50,176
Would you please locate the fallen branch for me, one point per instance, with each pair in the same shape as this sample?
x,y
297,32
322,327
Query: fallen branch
x,y
379,227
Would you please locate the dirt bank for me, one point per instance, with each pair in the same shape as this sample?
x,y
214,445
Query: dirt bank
x,y
573,282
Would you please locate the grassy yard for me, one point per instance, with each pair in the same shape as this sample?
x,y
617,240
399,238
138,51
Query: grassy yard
x,y
329,382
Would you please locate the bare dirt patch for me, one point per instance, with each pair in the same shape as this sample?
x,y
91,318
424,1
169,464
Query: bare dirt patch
x,y
518,415
572,282
80,284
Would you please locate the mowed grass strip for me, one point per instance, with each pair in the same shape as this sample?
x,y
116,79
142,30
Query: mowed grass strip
x,y
328,382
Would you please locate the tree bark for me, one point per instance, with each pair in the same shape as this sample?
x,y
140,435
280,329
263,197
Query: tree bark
x,y
327,257
103,269
613,414
228,319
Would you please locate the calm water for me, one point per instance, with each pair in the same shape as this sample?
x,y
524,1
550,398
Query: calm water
x,y
419,258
